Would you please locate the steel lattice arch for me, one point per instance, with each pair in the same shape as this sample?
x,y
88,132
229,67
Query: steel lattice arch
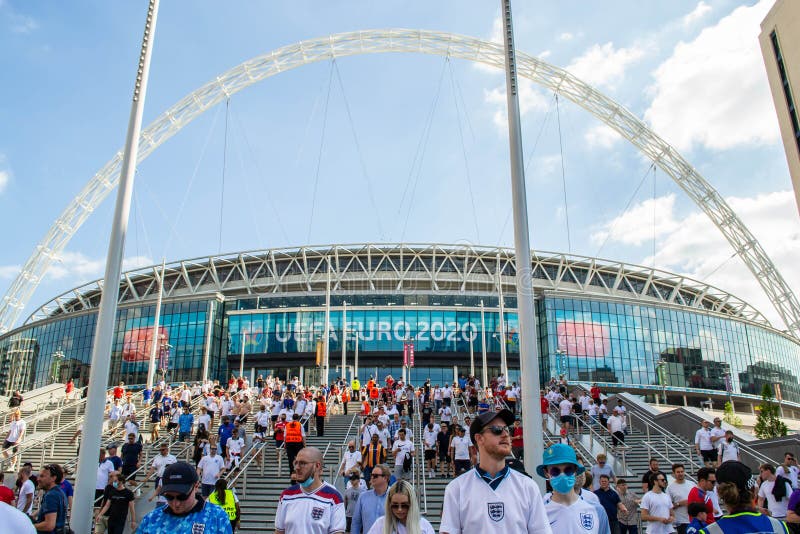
x,y
407,41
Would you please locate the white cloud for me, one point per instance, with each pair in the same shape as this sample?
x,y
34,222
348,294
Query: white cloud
x,y
692,245
23,24
566,36
601,136
697,13
604,65
77,266
5,177
531,98
693,101
545,54
7,272
635,226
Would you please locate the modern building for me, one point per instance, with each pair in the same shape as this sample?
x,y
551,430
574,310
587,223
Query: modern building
x,y
626,327
780,46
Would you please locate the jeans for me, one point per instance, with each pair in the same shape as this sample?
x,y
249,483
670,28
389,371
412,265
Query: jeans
x,y
628,529
207,489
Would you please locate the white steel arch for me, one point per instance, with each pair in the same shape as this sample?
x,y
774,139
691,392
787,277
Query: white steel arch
x,y
407,41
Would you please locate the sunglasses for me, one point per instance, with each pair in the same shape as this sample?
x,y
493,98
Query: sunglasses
x,y
376,475
401,506
180,497
555,471
497,430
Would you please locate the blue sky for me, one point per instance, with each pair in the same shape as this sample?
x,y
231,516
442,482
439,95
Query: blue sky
x,y
691,68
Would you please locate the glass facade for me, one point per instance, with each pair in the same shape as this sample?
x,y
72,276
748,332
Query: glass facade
x,y
582,338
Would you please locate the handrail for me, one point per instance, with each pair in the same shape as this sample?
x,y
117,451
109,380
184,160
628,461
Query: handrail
x,y
31,443
344,444
667,446
243,466
139,486
44,410
419,469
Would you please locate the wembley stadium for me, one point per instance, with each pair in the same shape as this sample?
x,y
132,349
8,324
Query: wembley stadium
x,y
623,326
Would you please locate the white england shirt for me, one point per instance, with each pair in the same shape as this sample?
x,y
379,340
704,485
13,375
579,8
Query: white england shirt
x,y
460,447
471,506
728,451
318,512
581,517
429,436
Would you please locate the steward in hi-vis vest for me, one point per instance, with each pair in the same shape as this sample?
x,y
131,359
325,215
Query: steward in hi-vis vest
x,y
293,439
226,499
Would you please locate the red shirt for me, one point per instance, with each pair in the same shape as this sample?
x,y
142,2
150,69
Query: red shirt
x,y
544,404
698,495
6,495
595,392
516,437
279,427
118,392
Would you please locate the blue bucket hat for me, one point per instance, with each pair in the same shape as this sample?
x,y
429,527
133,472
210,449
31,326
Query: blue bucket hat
x,y
559,454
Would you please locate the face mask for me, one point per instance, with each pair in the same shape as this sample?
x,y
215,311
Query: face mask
x,y
115,484
307,482
563,483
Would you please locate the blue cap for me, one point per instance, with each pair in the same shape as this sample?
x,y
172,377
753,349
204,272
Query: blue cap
x,y
559,454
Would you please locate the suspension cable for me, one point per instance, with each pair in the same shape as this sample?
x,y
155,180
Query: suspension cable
x,y
224,166
528,161
464,153
655,167
364,172
563,176
416,163
319,154
628,205
248,192
182,205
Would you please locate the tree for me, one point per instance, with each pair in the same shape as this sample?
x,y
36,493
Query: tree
x,y
768,421
730,417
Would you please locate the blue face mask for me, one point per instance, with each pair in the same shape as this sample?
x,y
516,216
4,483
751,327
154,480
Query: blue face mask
x,y
310,480
563,483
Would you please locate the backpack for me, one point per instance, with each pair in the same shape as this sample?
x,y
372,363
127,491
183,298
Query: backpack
x,y
407,462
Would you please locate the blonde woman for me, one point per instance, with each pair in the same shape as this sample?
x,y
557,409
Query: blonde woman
x,y
402,513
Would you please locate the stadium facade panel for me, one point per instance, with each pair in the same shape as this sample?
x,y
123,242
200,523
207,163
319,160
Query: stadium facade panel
x,y
598,321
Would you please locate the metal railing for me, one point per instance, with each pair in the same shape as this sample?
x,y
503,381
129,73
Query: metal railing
x,y
673,448
343,446
419,468
183,451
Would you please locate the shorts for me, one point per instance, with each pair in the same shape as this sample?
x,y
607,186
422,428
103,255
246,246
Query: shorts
x,y
170,426
128,471
566,419
462,466
273,418
430,454
709,456
9,444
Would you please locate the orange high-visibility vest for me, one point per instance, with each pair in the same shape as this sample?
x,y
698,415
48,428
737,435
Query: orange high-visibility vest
x,y
322,408
365,408
345,396
294,432
374,393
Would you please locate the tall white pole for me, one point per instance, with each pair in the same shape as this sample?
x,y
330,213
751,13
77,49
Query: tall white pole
x,y
210,328
326,355
355,358
471,354
151,370
528,346
82,516
344,341
503,348
241,357
485,371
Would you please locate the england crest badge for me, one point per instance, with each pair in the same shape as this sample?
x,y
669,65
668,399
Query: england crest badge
x,y
317,513
496,511
587,521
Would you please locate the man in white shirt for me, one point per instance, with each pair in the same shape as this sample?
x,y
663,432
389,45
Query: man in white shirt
x,y
788,469
704,446
104,468
160,461
409,432
429,434
351,462
678,491
445,414
656,507
717,432
204,419
383,434
767,501
114,414
727,449
460,451
132,427
565,409
616,429
447,394
16,432
234,447
27,490
492,498
367,430
400,448
209,469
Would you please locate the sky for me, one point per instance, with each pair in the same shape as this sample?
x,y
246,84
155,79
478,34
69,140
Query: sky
x,y
392,147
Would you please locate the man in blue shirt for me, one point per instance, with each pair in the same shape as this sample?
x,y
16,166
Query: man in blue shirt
x,y
371,504
185,422
225,432
111,455
53,509
185,512
611,501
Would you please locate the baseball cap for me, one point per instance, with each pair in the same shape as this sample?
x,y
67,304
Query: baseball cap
x,y
111,446
179,477
559,454
482,420
737,473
